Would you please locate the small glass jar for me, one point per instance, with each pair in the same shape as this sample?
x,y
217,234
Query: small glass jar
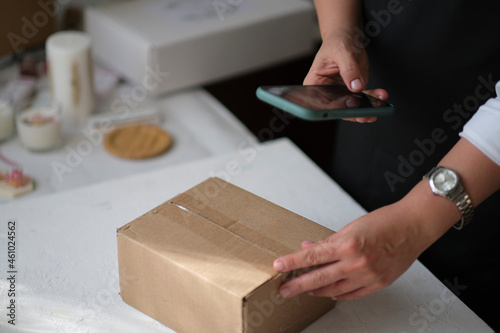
x,y
6,119
39,127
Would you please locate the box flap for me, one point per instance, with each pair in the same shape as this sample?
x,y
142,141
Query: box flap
x,y
259,221
202,248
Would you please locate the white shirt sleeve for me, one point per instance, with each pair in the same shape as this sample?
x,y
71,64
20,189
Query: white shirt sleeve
x,y
483,129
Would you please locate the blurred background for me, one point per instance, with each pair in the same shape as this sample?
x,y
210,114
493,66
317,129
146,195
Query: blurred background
x,y
227,48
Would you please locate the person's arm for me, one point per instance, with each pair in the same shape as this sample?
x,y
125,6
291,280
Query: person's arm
x,y
371,252
339,21
338,17
480,177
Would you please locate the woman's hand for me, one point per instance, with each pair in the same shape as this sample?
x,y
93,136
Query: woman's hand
x,y
365,256
340,56
341,61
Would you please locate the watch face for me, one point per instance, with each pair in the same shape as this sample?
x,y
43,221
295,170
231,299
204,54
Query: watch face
x,y
445,180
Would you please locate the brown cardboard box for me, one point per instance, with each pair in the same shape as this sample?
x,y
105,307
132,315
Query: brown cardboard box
x,y
202,262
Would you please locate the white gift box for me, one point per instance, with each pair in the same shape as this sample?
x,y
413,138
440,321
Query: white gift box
x,y
165,45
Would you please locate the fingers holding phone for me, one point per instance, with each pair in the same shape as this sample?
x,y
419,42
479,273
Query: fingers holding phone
x,y
380,95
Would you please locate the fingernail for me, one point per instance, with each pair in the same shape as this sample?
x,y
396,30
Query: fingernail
x,y
359,120
356,84
334,298
310,293
278,265
379,96
285,292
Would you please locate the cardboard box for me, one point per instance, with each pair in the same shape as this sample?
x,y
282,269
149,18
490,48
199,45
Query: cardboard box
x,y
202,262
197,41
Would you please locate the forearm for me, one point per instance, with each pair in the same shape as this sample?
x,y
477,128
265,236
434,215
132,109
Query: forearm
x,y
434,214
337,17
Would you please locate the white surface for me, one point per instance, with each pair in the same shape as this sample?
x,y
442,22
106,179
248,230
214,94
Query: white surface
x,y
199,124
198,41
67,257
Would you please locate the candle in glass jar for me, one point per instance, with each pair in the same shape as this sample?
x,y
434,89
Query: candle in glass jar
x,y
71,74
39,128
6,120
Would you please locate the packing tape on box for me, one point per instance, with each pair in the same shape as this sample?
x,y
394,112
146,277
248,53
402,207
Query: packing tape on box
x,y
261,236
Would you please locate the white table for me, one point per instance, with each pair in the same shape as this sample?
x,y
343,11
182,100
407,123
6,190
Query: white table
x,y
67,273
199,124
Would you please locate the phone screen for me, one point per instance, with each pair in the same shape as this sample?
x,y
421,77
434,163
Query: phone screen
x,y
325,97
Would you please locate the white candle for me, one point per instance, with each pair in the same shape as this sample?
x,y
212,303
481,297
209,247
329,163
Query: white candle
x,y
71,74
39,128
6,120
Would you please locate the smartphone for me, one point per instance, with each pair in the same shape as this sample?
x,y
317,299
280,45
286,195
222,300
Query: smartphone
x,y
323,102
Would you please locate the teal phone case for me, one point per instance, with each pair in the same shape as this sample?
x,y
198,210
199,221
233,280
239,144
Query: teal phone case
x,y
316,115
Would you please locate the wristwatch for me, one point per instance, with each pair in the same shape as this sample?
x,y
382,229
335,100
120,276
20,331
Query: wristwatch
x,y
446,183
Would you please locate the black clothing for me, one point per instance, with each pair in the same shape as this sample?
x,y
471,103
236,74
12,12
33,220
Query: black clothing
x,y
439,61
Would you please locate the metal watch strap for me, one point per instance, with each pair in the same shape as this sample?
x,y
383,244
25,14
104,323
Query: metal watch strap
x,y
464,205
463,202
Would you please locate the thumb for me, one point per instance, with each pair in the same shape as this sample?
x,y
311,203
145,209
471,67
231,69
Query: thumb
x,y
352,62
351,73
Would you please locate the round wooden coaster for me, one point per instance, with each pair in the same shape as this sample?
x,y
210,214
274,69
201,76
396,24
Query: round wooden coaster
x,y
137,142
